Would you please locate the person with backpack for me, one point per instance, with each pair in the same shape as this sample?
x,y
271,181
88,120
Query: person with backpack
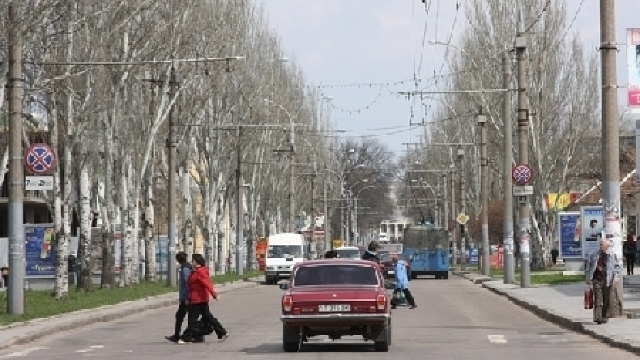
x,y
183,295
200,290
402,283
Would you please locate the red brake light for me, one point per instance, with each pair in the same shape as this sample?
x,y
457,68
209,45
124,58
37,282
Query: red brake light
x,y
286,303
381,302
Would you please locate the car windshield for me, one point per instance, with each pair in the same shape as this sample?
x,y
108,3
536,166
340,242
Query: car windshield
x,y
285,251
349,253
329,275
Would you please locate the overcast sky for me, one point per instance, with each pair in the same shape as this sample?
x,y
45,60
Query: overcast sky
x,y
339,42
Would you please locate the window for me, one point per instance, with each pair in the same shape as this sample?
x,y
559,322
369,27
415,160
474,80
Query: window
x,y
285,251
320,275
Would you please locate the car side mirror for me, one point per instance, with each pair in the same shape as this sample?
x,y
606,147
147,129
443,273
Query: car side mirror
x,y
284,286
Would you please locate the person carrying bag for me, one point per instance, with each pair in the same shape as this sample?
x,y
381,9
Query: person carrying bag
x,y
200,288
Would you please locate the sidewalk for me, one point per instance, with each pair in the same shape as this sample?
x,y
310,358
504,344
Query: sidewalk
x,y
28,331
563,305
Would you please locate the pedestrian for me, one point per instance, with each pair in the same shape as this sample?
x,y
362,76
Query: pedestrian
x,y
372,252
200,288
629,251
402,283
183,294
554,255
603,271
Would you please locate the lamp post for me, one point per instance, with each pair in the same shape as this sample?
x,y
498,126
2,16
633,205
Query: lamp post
x,y
484,191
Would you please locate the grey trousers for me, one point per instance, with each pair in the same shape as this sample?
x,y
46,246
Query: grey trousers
x,y
601,297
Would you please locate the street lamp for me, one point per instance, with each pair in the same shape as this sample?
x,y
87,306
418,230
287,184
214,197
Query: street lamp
x,y
484,189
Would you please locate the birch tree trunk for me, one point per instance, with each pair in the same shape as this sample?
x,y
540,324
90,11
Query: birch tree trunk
x,y
57,199
85,281
187,214
133,224
125,262
149,241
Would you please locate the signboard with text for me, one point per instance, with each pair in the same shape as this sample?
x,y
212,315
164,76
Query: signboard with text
x,y
591,226
40,256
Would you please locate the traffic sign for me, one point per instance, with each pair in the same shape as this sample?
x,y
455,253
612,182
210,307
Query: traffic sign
x,y
521,174
38,182
522,190
462,219
40,159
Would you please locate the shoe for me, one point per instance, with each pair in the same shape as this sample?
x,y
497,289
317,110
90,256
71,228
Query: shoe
x,y
598,321
604,321
172,338
224,337
181,341
413,306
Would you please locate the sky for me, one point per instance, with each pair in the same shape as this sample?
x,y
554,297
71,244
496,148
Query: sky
x,y
373,49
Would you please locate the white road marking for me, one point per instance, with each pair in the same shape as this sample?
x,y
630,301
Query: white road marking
x,y
96,347
24,352
90,348
497,339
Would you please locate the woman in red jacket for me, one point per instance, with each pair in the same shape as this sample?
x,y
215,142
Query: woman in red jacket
x,y
200,288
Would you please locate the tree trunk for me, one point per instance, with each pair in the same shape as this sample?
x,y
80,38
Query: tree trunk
x,y
108,276
187,213
84,260
149,241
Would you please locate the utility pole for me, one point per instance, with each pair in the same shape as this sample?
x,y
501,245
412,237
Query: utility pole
x,y
327,216
446,208
453,216
507,210
15,290
463,209
523,144
610,139
172,233
292,184
484,190
312,222
239,212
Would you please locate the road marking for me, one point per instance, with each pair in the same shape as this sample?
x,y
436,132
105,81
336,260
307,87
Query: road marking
x,y
497,339
96,347
90,348
24,352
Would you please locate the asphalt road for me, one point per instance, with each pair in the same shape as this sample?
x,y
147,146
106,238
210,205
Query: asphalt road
x,y
454,320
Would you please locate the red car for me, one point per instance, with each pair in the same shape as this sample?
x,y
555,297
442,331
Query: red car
x,y
336,298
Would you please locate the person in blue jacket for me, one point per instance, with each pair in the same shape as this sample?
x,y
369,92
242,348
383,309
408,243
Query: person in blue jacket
x,y
183,295
402,283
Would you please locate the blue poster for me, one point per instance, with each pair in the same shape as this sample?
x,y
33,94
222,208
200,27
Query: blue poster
x,y
570,240
473,256
39,251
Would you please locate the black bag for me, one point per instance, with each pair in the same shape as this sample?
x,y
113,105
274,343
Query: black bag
x,y
201,328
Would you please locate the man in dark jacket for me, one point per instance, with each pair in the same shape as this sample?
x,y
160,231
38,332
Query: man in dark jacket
x,y
372,252
183,293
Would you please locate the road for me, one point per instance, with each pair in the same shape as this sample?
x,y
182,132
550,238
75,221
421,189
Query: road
x,y
454,320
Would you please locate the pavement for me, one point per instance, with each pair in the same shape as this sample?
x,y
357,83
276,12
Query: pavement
x,y
29,331
563,305
455,319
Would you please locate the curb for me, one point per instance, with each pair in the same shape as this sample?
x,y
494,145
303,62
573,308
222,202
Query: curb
x,y
564,322
38,328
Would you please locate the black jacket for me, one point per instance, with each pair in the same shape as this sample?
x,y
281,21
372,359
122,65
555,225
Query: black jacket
x,y
368,255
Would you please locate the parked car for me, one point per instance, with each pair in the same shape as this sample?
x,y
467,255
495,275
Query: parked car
x,y
388,269
335,297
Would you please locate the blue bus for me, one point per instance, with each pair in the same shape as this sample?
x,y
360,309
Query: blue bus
x,y
428,248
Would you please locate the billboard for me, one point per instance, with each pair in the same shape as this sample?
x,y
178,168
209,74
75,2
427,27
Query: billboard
x,y
591,219
570,235
633,65
40,254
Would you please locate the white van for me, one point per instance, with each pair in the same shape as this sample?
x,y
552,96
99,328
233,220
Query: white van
x,y
283,252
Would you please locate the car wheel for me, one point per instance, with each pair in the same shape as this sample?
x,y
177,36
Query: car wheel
x,y
290,339
414,276
383,346
445,275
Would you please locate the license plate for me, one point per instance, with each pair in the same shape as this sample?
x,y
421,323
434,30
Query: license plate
x,y
391,272
334,308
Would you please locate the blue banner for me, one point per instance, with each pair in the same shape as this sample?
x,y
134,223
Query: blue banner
x,y
570,239
39,251
473,256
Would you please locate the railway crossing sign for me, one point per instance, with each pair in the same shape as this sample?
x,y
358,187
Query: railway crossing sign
x,y
462,219
40,159
521,174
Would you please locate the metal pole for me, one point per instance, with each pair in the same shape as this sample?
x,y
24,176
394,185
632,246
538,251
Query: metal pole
x,y
355,221
173,241
610,139
312,223
463,209
445,221
239,211
349,243
292,183
15,289
507,209
484,190
453,216
326,227
523,142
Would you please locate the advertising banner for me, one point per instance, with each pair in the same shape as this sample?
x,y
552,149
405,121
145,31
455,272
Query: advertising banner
x,y
569,231
591,220
39,252
633,65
